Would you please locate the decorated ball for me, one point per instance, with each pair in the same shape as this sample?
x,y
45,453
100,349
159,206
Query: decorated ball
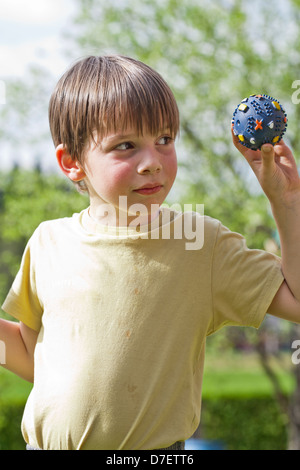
x,y
258,120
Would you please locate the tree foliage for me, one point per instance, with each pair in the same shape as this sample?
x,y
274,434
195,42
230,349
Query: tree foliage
x,y
213,54
27,198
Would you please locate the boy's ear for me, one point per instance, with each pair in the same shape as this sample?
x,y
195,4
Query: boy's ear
x,y
69,167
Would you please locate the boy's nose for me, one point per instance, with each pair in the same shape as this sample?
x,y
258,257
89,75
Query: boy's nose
x,y
150,163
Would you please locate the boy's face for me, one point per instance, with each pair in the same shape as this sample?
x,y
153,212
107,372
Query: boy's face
x,y
141,167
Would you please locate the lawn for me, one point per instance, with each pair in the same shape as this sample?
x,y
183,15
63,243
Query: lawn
x,y
241,375
230,374
236,392
12,388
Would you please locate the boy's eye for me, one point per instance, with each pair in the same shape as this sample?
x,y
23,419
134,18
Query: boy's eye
x,y
165,140
124,146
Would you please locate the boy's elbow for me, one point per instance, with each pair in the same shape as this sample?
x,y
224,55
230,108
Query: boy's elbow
x,y
285,305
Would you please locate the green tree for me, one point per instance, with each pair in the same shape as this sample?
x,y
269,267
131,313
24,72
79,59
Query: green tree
x,y
27,198
212,54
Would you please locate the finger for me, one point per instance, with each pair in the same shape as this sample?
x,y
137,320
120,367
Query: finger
x,y
268,156
249,154
252,156
281,149
237,142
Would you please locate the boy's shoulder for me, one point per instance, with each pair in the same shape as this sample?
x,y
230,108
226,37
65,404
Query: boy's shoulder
x,y
190,215
57,226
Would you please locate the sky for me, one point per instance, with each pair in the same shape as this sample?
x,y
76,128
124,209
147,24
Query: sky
x,y
30,32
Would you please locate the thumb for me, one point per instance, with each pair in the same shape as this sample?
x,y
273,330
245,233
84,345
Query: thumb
x,y
267,155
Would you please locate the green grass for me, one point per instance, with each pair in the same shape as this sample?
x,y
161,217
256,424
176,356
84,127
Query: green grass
x,y
241,375
13,388
226,375
239,407
13,395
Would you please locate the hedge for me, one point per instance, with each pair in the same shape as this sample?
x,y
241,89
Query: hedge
x,y
240,424
10,426
244,423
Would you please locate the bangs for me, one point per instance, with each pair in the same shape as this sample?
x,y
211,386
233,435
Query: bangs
x,y
137,102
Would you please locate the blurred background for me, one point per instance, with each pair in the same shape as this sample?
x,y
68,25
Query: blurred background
x,y
212,54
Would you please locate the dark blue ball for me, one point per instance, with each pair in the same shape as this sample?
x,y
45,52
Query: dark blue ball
x,y
258,120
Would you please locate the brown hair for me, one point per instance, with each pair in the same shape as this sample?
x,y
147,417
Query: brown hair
x,y
99,95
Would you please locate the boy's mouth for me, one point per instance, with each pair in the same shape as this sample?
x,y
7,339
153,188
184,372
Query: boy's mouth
x,y
149,189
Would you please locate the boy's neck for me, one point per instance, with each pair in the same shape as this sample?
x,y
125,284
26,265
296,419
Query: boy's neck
x,y
111,216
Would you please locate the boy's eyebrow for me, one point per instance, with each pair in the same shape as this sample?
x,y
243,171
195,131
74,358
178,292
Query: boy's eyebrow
x,y
110,139
120,136
129,136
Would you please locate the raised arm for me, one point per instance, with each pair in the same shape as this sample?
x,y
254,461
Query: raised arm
x,y
19,343
277,173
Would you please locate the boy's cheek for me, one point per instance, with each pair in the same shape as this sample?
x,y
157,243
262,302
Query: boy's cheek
x,y
121,178
172,170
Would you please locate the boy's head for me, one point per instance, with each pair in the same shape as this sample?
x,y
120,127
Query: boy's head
x,y
101,95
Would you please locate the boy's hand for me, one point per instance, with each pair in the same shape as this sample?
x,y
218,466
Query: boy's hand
x,y
276,171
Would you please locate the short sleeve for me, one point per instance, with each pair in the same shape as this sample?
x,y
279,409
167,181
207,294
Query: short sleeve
x,y
22,301
244,281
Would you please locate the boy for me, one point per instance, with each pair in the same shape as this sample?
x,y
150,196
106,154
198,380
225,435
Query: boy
x,y
112,315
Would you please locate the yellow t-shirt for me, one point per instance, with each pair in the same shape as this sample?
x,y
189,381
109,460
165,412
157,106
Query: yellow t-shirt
x,y
122,323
